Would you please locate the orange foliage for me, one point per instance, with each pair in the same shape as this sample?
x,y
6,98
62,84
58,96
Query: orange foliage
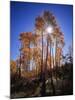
x,y
12,67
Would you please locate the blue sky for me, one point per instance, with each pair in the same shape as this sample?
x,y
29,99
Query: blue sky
x,y
22,19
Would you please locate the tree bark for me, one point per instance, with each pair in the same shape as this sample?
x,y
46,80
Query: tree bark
x,y
56,65
46,58
51,74
43,87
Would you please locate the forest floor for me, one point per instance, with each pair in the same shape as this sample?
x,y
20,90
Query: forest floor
x,y
31,88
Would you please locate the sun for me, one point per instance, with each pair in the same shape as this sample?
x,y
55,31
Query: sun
x,y
49,29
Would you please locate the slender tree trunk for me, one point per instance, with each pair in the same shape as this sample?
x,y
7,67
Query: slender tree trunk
x,y
36,62
56,53
52,84
46,58
34,57
50,55
53,57
59,60
51,74
42,59
43,87
56,65
29,56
